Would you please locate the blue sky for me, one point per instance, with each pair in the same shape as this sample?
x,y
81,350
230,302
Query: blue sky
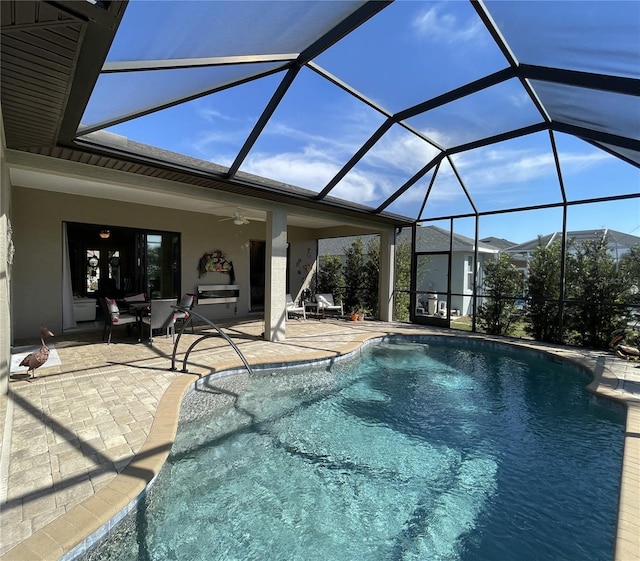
x,y
410,52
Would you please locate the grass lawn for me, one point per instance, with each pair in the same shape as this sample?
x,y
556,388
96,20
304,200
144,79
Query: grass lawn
x,y
464,324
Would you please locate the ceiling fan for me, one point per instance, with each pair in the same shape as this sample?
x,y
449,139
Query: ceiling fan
x,y
239,219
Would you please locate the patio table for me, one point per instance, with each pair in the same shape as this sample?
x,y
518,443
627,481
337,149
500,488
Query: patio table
x,y
138,308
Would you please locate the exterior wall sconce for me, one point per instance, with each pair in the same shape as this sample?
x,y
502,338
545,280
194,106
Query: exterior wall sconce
x,y
104,234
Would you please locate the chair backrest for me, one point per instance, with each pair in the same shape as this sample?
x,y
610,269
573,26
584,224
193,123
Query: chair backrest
x,y
161,313
324,300
105,309
112,313
110,307
290,302
187,301
136,298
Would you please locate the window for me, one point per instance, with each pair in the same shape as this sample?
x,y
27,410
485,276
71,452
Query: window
x,y
469,273
93,270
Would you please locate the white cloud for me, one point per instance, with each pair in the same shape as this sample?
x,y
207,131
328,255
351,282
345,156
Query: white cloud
x,y
402,151
437,25
572,162
311,164
203,141
348,129
307,170
384,169
211,115
502,172
519,99
312,169
356,187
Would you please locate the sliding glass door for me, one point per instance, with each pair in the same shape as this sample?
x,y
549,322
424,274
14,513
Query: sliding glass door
x,y
116,262
160,252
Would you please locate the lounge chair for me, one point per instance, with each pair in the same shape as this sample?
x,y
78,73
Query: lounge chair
x,y
293,309
327,304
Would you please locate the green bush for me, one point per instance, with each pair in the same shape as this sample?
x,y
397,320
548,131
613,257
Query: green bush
x,y
502,285
329,277
543,302
595,293
354,274
401,296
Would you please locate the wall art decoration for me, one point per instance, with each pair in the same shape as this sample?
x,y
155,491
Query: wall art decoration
x,y
216,262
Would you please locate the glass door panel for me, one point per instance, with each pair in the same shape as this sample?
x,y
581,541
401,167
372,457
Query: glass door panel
x,y
162,252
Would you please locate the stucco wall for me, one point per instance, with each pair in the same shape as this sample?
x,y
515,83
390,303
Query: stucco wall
x,y
38,217
302,256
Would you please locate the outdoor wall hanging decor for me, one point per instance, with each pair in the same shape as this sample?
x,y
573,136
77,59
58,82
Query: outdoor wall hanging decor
x,y
215,262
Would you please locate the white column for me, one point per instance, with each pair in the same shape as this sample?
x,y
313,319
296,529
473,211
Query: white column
x,y
275,276
387,273
6,256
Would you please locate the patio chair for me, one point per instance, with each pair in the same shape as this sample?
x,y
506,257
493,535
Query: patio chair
x,y
161,316
327,304
187,301
293,309
113,316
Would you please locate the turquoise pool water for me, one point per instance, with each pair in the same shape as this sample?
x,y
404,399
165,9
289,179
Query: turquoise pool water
x,y
415,451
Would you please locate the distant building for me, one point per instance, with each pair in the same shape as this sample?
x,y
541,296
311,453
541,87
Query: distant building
x,y
432,246
618,244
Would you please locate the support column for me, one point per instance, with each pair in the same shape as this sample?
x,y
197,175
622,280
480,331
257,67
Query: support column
x,y
275,276
6,257
387,273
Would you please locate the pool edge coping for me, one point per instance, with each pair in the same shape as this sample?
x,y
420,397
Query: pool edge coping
x,y
75,532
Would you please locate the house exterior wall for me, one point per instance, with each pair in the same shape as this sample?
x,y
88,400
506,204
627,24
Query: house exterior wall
x,y
436,279
37,220
459,287
303,252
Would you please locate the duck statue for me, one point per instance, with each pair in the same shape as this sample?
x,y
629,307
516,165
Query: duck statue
x,y
37,358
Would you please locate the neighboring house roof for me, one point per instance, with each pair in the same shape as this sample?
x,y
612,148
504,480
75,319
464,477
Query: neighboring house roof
x,y
500,243
338,246
615,238
433,238
429,238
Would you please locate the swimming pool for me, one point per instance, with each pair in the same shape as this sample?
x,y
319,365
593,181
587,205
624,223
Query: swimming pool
x,y
419,449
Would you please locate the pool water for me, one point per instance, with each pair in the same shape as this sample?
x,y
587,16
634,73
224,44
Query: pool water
x,y
412,452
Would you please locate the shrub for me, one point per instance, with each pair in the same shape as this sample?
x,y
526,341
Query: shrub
x,y
329,277
502,284
595,291
354,273
401,297
543,302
